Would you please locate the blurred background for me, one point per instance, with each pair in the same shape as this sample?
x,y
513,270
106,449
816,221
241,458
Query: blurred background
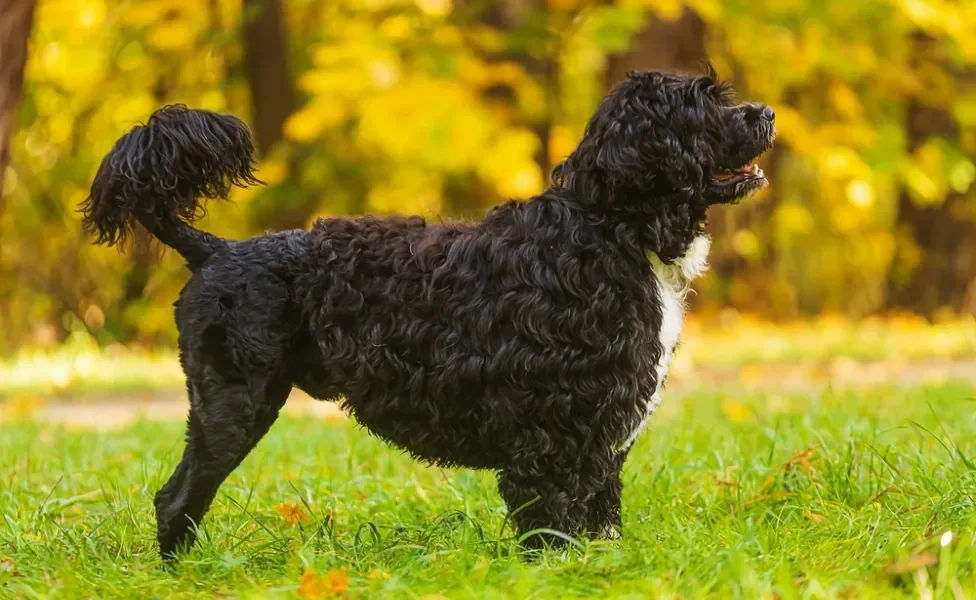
x,y
450,106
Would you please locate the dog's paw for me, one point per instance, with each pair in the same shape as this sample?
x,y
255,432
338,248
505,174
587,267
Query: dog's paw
x,y
609,533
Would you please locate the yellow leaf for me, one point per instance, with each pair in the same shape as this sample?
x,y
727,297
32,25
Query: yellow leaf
x,y
561,142
860,193
510,165
434,8
667,10
308,123
736,411
747,244
844,100
173,35
273,171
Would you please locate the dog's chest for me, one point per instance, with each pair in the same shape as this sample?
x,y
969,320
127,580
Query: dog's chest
x,y
672,283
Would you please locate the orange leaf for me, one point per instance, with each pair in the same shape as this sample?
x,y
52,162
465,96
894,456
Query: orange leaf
x,y
292,513
312,585
338,582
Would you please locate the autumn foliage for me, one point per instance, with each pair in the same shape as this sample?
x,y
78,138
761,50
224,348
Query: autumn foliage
x,y
446,107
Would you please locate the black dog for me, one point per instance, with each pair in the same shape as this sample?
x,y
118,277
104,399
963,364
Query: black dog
x,y
533,343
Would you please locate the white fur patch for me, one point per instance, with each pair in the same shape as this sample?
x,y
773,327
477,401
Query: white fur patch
x,y
673,282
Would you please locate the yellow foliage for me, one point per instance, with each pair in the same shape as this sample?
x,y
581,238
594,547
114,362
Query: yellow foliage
x,y
307,124
844,100
407,190
669,10
403,104
174,35
450,134
510,165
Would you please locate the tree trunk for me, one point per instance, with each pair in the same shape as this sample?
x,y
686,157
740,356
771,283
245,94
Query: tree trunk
x,y
935,259
268,70
663,46
16,19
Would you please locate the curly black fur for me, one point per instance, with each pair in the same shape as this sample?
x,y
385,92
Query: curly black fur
x,y
532,343
155,174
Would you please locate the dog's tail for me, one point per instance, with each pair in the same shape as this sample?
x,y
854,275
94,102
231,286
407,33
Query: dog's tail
x,y
156,174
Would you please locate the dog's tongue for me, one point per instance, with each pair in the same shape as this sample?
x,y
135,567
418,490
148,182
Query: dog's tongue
x,y
751,170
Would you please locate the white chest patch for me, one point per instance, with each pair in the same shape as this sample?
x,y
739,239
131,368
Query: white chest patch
x,y
673,282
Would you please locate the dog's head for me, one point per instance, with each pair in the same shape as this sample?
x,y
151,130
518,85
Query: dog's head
x,y
662,148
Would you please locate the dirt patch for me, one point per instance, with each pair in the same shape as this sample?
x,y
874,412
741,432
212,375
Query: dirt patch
x,y
108,412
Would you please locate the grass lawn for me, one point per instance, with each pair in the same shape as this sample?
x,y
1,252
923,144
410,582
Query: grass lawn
x,y
846,495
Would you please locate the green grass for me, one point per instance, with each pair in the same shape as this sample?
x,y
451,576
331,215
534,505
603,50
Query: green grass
x,y
765,496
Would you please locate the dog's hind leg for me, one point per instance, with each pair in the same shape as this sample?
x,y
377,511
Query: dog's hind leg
x,y
228,417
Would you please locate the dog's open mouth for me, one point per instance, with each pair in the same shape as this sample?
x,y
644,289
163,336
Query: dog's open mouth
x,y
743,173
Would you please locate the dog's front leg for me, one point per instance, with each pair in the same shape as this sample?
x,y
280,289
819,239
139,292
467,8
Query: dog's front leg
x,y
603,519
539,503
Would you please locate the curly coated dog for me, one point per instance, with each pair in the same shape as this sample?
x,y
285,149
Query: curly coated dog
x,y
533,343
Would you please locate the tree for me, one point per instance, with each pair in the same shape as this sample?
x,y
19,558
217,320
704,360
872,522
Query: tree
x,y
677,45
16,19
267,68
935,265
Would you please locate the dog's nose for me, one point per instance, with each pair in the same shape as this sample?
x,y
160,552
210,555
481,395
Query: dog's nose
x,y
768,114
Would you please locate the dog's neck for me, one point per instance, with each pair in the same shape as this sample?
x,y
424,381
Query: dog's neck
x,y
679,274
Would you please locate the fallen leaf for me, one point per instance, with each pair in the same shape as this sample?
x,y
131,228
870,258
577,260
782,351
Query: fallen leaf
x,y
337,581
813,516
8,567
801,457
293,514
312,585
912,563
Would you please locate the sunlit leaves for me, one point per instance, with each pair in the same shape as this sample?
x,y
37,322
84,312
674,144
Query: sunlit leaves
x,y
398,100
